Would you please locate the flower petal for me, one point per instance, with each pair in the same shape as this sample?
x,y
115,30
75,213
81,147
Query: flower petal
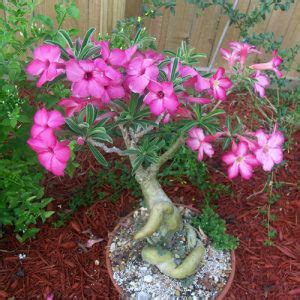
x,y
80,89
41,117
55,119
95,89
242,149
276,155
194,144
62,152
36,67
156,107
74,72
233,171
229,158
246,170
276,139
57,167
138,84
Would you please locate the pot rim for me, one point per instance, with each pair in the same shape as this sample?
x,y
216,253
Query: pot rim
x,y
112,234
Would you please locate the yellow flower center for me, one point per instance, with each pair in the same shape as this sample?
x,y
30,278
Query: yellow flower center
x,y
216,83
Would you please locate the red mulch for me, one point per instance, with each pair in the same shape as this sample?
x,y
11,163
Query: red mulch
x,y
57,262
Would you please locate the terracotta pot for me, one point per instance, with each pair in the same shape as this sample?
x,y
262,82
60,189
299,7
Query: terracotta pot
x,y
221,296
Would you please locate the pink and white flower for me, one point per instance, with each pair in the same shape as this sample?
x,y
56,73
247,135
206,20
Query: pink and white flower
x,y
272,65
72,105
261,82
116,57
52,154
220,84
197,141
242,50
44,120
269,150
139,73
161,98
231,56
240,161
87,80
46,63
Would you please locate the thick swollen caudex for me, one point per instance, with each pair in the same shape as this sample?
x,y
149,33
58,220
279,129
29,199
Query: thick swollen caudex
x,y
164,217
165,261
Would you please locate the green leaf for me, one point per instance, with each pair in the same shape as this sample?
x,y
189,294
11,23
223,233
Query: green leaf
x,y
73,126
91,52
188,126
102,137
131,151
174,68
73,11
91,114
65,35
214,113
60,12
44,20
99,157
137,163
87,37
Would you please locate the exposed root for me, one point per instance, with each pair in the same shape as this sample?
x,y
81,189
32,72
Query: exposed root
x,y
162,215
164,260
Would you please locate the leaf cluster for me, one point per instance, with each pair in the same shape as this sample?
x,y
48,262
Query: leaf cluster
x,y
85,126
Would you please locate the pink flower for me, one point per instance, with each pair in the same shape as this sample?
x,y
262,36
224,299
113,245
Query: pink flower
x,y
240,161
262,81
161,98
86,78
220,84
44,120
52,154
273,65
197,141
113,88
46,63
231,56
116,57
187,71
201,83
72,105
140,71
243,49
156,56
269,150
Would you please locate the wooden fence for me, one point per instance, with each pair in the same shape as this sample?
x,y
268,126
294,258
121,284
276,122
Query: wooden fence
x,y
201,32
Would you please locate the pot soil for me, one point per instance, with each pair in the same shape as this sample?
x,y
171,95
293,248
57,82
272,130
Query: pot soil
x,y
137,279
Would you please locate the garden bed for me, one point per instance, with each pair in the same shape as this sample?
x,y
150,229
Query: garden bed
x,y
59,262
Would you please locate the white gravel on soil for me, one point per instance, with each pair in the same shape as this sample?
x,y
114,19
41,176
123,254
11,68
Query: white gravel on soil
x,y
140,280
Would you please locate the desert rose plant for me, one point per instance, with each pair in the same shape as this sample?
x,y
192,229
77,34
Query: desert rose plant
x,y
130,94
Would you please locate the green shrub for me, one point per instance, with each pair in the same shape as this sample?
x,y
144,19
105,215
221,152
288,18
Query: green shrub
x,y
22,201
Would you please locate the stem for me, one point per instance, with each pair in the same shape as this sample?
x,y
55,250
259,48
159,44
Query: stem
x,y
107,149
166,155
164,217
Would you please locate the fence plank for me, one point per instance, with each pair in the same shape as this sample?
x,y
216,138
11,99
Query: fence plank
x,y
202,32
291,36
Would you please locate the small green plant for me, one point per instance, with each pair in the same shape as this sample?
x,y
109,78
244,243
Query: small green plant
x,y
215,228
22,201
